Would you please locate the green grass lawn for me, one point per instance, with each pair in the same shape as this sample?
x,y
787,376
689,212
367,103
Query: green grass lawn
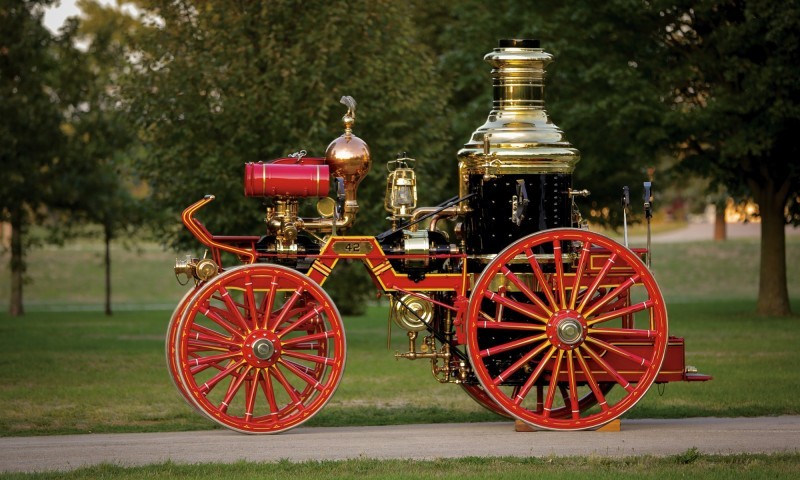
x,y
690,464
79,371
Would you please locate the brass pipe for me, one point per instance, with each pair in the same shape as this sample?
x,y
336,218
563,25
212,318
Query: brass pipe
x,y
447,212
325,225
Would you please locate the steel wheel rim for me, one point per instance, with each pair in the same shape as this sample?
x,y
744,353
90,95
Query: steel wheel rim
x,y
274,391
169,345
565,334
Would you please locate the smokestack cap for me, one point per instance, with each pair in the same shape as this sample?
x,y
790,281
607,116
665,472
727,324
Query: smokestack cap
x,y
519,43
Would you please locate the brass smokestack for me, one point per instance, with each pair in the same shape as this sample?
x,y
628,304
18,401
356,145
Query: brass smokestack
x,y
518,137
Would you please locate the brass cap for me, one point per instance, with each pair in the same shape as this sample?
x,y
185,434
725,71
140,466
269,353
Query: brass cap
x,y
348,157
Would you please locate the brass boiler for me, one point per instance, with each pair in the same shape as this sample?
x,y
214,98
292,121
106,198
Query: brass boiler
x,y
518,164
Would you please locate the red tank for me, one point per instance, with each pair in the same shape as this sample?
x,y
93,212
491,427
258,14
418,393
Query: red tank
x,y
286,180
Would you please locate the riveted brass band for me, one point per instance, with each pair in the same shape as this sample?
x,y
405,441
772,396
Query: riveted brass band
x,y
508,160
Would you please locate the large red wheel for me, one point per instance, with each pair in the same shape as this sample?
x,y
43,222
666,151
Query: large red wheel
x,y
556,320
260,348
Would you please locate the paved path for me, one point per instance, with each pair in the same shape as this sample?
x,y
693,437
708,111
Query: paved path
x,y
705,231
638,437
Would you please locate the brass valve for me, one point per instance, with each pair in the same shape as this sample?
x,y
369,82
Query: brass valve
x,y
201,270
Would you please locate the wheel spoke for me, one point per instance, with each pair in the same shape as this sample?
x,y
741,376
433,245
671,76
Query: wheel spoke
x,y
519,363
265,381
622,353
522,308
551,391
233,388
621,312
623,287
195,346
608,368
596,283
293,393
625,333
527,292
251,389
302,346
584,259
215,317
298,371
301,321
209,385
557,259
252,308
212,340
537,372
573,387
268,302
308,338
212,359
511,345
498,308
308,357
598,394
238,320
197,332
284,312
494,325
537,270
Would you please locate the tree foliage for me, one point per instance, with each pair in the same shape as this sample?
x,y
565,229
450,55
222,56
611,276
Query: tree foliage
x,y
219,84
97,185
640,86
32,88
738,105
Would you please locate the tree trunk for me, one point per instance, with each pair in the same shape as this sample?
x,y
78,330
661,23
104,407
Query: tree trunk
x,y
15,306
720,229
773,292
107,232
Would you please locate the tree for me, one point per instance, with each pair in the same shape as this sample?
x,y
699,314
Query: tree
x,y
218,84
640,84
96,186
735,82
30,119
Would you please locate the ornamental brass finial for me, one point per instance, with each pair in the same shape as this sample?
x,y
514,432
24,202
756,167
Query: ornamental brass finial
x,y
349,118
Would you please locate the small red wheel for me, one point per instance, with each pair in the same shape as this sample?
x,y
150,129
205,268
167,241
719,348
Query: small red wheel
x,y
553,313
260,348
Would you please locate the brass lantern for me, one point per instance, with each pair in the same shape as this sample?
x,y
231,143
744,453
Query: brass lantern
x,y
401,188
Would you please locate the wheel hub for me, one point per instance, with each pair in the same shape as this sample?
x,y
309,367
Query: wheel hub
x,y
569,331
261,348
566,329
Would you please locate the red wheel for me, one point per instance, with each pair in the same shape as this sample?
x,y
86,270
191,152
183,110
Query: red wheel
x,y
553,314
260,348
